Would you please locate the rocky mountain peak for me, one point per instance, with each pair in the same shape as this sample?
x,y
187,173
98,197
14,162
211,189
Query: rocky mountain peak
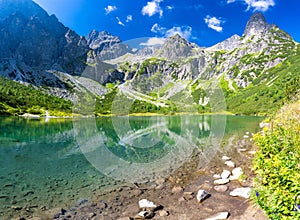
x,y
100,40
176,47
256,24
32,37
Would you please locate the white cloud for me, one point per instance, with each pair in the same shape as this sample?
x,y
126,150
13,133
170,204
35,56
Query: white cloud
x,y
214,23
260,5
110,8
170,8
154,41
152,8
257,5
120,22
129,18
156,28
183,31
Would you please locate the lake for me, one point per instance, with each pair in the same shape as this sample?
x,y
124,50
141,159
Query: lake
x,y
48,163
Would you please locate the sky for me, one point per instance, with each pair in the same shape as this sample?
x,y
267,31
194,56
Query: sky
x,y
205,22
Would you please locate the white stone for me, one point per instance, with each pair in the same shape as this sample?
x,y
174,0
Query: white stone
x,y
230,163
246,136
219,216
237,172
201,195
264,124
241,192
225,158
144,215
225,174
146,204
217,176
221,181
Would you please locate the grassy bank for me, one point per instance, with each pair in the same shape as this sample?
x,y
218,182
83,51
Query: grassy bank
x,y
277,165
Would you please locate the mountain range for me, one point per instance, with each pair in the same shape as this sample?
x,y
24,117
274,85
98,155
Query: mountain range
x,y
256,72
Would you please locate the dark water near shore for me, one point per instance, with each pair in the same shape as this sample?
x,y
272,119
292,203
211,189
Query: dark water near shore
x,y
54,162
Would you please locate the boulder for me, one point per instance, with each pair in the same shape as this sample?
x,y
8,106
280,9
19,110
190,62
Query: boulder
x,y
221,181
241,192
230,163
144,215
219,216
221,188
236,173
225,174
202,195
225,158
145,204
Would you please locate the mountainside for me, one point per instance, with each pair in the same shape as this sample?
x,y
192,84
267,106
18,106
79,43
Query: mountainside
x,y
37,50
29,35
106,46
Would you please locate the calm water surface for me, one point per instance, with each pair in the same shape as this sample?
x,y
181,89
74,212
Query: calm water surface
x,y
54,162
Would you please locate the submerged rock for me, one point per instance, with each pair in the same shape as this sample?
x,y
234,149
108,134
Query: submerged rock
x,y
177,189
241,192
163,213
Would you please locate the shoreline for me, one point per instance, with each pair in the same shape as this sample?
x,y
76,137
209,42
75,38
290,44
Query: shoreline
x,y
176,193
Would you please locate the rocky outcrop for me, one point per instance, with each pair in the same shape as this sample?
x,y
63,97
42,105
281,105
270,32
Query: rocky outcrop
x,y
177,47
106,46
30,36
257,24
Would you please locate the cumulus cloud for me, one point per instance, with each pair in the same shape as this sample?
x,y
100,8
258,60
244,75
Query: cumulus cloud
x,y
152,8
257,5
120,22
110,8
156,28
214,23
261,5
154,41
183,31
129,18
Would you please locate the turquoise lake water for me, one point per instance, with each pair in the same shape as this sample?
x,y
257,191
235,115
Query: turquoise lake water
x,y
47,163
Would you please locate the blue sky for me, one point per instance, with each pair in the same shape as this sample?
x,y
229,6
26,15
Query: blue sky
x,y
205,22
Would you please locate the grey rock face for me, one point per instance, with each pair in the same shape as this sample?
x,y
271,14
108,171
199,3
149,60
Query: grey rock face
x,y
29,35
105,45
228,44
256,24
177,47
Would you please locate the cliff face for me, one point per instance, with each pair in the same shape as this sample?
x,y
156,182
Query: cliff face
x,y
30,36
106,46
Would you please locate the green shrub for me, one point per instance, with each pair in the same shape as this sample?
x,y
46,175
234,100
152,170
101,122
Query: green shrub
x,y
277,165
